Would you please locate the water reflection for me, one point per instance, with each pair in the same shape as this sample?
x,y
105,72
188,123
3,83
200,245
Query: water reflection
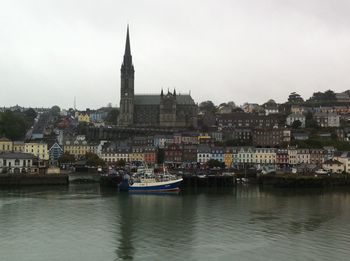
x,y
246,222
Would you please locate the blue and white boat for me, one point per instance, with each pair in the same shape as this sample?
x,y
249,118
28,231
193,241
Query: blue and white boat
x,y
150,182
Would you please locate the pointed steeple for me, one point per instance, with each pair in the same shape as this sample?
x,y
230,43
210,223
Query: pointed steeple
x,y
162,93
174,92
127,44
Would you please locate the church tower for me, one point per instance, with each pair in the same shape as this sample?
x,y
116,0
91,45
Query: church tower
x,y
127,71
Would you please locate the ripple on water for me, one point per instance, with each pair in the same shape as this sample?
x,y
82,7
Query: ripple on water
x,y
84,224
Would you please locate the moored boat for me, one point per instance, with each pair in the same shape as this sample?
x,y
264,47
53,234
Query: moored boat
x,y
150,182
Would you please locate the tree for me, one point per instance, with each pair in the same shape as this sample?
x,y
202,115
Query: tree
x,y
55,110
66,158
231,104
296,124
112,116
13,125
310,122
207,106
214,164
295,98
121,163
160,156
93,159
328,95
30,114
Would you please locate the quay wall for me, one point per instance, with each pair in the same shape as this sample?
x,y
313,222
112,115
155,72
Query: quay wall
x,y
292,181
33,180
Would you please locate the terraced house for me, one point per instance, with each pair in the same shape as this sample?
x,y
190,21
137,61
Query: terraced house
x,y
265,156
38,149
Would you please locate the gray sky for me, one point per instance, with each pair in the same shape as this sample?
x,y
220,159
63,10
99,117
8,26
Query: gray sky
x,y
222,50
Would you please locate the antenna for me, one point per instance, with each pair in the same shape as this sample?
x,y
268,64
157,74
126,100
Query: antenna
x,y
75,103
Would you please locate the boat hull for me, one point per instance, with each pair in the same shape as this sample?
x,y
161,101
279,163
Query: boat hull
x,y
164,186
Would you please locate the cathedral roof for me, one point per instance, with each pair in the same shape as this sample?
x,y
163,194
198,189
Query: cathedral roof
x,y
154,99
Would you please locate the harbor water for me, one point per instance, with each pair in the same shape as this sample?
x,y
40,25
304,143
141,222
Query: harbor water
x,y
88,222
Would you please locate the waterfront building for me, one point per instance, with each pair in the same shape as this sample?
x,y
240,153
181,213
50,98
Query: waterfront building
x,y
38,149
292,155
137,154
217,153
17,162
333,166
83,117
317,156
282,157
150,155
112,153
235,157
303,156
344,158
168,109
55,153
245,155
203,153
264,156
6,145
228,157
79,147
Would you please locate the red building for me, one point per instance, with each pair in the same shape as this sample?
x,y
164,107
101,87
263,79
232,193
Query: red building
x,y
150,155
282,157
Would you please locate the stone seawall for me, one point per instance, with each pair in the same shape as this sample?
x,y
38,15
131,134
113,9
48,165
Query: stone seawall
x,y
33,180
292,181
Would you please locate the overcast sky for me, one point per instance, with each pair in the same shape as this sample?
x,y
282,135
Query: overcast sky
x,y
221,50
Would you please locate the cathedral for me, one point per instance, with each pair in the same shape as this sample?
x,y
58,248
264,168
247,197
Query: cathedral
x,y
167,109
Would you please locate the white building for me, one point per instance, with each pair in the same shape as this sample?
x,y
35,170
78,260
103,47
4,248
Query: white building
x,y
296,117
18,162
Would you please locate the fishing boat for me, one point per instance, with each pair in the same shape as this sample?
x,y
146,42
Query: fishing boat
x,y
150,182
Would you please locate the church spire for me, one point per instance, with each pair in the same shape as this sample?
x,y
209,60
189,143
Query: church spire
x,y
127,65
127,44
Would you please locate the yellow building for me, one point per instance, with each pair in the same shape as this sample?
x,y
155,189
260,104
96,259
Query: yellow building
x,y
265,156
137,154
228,157
83,117
6,145
39,150
79,147
18,146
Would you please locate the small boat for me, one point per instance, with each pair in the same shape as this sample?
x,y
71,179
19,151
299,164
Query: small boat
x,y
146,182
321,172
